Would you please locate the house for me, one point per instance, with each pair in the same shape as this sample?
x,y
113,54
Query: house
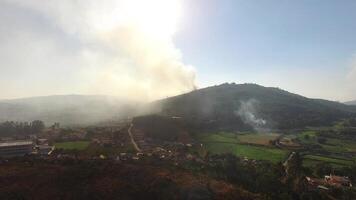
x,y
338,181
15,148
42,141
316,183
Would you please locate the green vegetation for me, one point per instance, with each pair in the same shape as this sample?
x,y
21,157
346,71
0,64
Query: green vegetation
x,y
258,138
310,160
251,152
223,142
243,138
338,145
95,150
283,110
307,137
77,145
327,145
219,137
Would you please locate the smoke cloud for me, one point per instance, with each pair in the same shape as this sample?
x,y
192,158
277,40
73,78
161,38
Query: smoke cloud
x,y
247,112
115,47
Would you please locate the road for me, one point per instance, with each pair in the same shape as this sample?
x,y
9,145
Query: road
x,y
132,139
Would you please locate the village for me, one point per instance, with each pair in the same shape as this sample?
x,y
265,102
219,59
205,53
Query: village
x,y
124,142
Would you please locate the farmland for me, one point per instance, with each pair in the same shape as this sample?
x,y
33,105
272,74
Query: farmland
x,y
251,145
332,160
322,147
315,148
76,145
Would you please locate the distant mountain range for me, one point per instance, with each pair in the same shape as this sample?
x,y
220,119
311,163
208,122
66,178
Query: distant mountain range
x,y
66,109
246,106
351,103
226,106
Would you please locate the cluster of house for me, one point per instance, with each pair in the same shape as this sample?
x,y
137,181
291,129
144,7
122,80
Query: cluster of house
x,y
18,148
329,181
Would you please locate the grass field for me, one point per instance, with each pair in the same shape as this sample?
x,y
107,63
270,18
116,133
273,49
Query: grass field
x,y
236,144
219,137
77,145
310,160
249,151
258,138
338,145
250,138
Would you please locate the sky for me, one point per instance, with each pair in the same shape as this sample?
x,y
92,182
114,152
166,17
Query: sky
x,y
149,49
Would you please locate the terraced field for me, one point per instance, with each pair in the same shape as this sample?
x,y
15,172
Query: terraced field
x,y
310,160
258,147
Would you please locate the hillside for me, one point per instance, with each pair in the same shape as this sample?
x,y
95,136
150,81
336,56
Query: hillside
x,y
351,103
108,180
66,109
247,106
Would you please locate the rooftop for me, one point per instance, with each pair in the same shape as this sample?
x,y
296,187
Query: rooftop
x,y
15,143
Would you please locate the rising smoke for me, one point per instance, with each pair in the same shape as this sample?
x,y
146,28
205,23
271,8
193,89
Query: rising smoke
x,y
116,47
248,113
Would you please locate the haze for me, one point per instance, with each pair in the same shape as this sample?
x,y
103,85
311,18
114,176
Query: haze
x,y
146,50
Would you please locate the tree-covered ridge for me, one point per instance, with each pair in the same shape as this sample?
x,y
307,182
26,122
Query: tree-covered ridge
x,y
221,107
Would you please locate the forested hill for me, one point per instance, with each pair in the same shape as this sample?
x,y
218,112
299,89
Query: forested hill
x,y
246,106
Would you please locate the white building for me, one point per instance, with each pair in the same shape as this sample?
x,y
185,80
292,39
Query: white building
x,y
15,148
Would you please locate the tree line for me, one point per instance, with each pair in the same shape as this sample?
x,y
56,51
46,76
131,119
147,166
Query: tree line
x,y
11,128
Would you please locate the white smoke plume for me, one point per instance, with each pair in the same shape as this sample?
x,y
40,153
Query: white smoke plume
x,y
114,47
247,112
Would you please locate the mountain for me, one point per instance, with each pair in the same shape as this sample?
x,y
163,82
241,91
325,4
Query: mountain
x,y
65,109
351,103
251,106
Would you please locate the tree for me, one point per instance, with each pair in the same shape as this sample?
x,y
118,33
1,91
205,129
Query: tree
x,y
37,126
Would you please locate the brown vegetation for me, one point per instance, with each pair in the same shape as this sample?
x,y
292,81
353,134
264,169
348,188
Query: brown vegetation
x,y
107,180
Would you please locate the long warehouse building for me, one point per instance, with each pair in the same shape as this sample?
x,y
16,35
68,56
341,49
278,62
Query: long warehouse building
x,y
15,148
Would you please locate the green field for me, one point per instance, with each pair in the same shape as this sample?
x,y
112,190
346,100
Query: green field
x,y
337,145
223,142
77,145
310,160
250,138
219,137
258,138
249,151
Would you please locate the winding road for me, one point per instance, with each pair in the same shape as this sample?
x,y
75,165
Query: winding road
x,y
132,139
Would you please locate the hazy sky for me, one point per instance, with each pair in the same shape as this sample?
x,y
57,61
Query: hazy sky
x,y
152,49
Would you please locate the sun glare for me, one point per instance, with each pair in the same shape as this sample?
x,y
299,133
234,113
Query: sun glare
x,y
154,18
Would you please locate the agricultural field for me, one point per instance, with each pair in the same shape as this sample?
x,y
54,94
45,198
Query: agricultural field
x,y
311,160
250,145
251,152
241,138
327,149
76,145
258,138
339,145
